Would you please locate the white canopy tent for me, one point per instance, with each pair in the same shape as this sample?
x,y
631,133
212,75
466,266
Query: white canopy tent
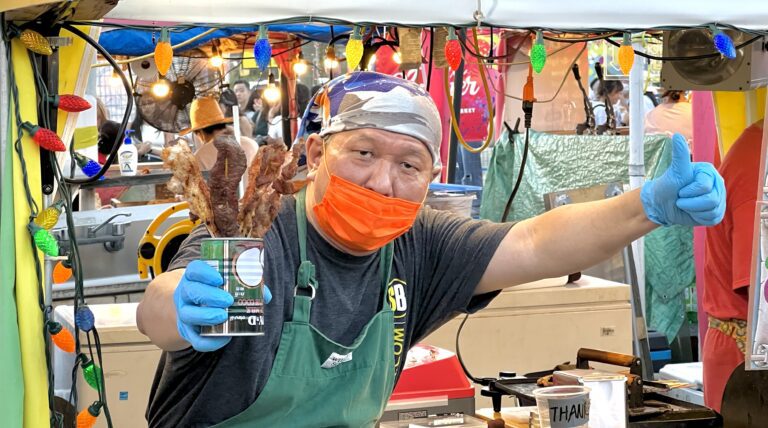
x,y
557,14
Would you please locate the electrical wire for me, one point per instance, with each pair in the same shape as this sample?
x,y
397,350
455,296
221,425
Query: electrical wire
x,y
128,108
560,88
488,100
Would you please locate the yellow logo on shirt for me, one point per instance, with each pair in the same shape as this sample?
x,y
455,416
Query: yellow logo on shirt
x,y
399,303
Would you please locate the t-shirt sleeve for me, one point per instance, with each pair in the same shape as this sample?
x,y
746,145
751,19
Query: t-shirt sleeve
x,y
457,252
189,249
742,235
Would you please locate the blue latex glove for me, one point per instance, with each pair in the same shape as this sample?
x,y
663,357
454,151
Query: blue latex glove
x,y
689,193
199,301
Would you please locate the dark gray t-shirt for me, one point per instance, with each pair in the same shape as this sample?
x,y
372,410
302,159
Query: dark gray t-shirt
x,y
436,267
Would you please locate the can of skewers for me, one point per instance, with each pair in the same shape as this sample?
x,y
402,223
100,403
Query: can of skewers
x,y
240,261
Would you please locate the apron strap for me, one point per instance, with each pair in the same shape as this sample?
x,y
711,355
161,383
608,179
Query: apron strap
x,y
386,255
306,283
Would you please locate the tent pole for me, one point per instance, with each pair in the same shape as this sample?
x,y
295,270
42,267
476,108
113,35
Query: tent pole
x,y
458,85
636,155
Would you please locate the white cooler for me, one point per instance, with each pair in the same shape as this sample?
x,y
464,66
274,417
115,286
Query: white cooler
x,y
129,364
536,326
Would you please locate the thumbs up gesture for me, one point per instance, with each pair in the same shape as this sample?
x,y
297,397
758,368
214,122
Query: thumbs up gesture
x,y
689,194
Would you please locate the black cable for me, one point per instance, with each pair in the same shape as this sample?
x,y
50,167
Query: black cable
x,y
431,50
528,115
688,58
128,109
519,177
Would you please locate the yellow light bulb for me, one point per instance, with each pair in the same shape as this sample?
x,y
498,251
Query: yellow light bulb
x,y
272,93
161,88
354,50
216,61
300,67
397,58
35,42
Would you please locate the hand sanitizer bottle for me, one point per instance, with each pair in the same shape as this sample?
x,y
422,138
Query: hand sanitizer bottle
x,y
127,156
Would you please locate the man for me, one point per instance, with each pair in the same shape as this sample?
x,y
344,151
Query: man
x,y
673,115
207,122
242,91
359,272
729,261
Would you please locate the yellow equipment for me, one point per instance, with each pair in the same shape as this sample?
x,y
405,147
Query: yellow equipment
x,y
155,252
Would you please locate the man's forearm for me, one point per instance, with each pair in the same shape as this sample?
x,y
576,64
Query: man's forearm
x,y
575,237
156,314
566,240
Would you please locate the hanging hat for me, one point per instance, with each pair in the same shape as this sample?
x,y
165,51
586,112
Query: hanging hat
x,y
366,99
205,112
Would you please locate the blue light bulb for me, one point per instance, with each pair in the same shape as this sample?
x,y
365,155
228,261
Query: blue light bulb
x,y
91,168
724,45
262,50
84,318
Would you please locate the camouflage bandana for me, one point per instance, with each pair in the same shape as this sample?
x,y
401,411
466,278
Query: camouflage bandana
x,y
366,99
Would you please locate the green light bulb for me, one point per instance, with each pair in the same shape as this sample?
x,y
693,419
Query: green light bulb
x,y
538,53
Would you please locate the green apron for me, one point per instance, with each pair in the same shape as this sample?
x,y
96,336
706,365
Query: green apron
x,y
315,382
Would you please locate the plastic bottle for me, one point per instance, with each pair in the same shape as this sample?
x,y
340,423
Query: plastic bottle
x,y
128,156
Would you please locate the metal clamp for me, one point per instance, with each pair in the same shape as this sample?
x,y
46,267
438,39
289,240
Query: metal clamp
x,y
311,296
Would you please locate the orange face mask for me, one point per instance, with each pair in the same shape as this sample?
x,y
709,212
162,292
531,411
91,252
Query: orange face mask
x,y
361,219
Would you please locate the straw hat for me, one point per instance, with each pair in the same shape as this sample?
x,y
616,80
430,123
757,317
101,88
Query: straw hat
x,y
205,112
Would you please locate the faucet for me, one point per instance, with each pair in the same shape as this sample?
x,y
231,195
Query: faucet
x,y
117,229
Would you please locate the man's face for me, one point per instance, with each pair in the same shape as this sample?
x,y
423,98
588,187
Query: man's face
x,y
242,93
391,164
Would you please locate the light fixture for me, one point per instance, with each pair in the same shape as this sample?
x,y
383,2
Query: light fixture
x,y
272,92
89,166
61,337
626,54
371,62
44,241
354,49
164,53
330,61
87,417
300,66
69,103
61,272
262,50
538,53
161,89
397,58
723,43
115,79
84,319
35,42
44,138
49,216
92,373
453,53
216,61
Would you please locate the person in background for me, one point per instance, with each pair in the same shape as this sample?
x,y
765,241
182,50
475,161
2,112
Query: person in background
x,y
673,115
610,90
728,265
242,91
275,122
253,106
108,138
259,119
208,122
227,100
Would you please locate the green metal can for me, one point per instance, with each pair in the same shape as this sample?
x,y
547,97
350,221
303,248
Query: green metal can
x,y
241,263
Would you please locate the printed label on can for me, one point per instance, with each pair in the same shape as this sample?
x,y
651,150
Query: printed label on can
x,y
241,264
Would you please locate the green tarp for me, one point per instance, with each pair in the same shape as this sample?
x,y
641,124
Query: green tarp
x,y
560,162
